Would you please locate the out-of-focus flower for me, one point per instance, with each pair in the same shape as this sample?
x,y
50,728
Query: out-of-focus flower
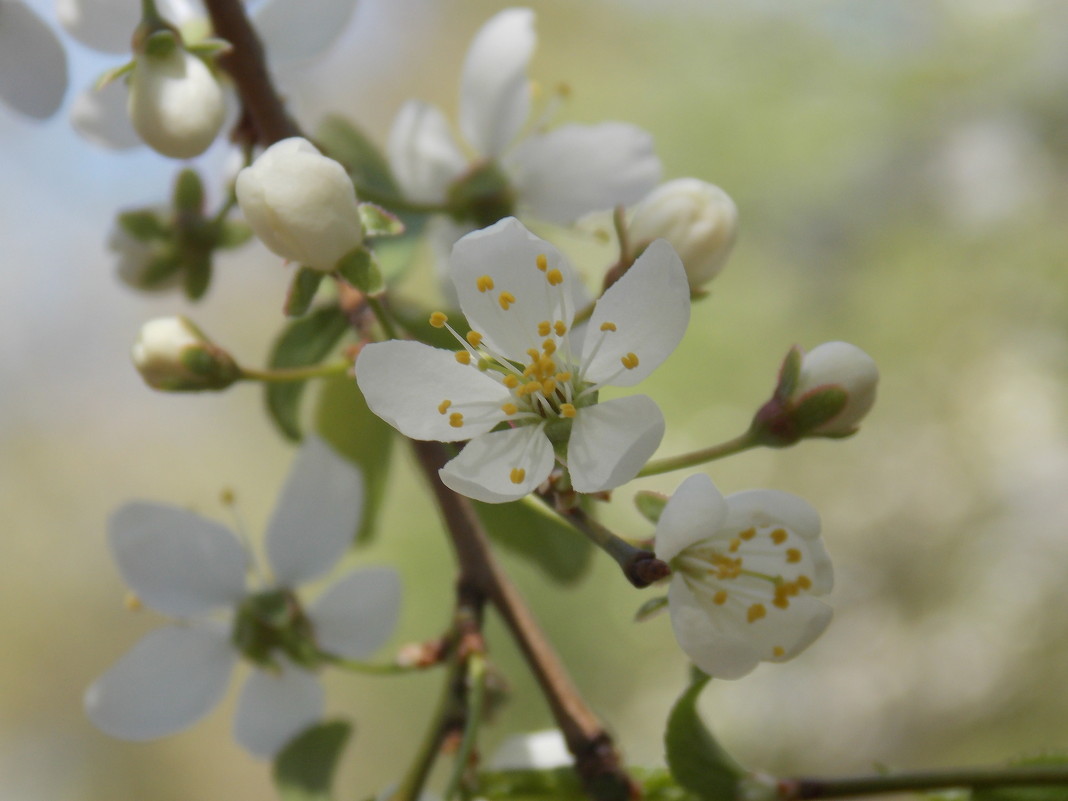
x,y
745,569
521,366
539,750
174,355
301,204
33,64
187,567
699,220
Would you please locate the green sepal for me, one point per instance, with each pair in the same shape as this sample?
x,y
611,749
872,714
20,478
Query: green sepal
x,y
161,43
188,194
651,608
524,528
209,48
231,234
359,268
114,74
376,221
696,760
304,342
304,770
197,274
343,142
650,504
302,291
343,419
789,373
818,407
143,225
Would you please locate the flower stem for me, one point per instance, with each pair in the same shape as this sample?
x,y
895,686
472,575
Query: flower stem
x,y
724,449
412,783
641,567
476,696
922,781
283,375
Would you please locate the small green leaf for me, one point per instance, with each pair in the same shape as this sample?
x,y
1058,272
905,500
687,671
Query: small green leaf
x,y
358,267
113,75
525,529
302,291
651,608
188,192
376,221
344,142
197,274
304,342
696,760
650,504
143,225
304,771
343,420
209,48
232,234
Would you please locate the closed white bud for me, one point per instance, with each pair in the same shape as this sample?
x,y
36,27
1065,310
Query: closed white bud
x,y
174,355
839,364
175,104
301,204
697,218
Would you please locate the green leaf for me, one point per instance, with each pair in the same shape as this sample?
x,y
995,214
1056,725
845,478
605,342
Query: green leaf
x,y
651,608
188,192
302,291
525,529
143,225
376,221
344,142
304,771
232,234
650,504
696,760
304,342
358,267
197,274
343,420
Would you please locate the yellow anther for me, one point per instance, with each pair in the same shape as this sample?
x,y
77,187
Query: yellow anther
x,y
804,582
756,611
554,277
438,319
544,327
463,357
484,283
562,378
748,534
778,536
517,475
720,597
548,386
778,651
456,420
506,299
563,89
509,408
608,326
546,365
560,328
567,410
735,545
542,262
474,339
781,601
533,354
443,407
793,555
227,497
132,603
548,347
529,389
630,361
511,381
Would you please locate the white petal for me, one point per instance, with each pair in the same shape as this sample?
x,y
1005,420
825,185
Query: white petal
x,y
713,643
170,679
422,152
100,116
574,170
316,516
695,512
177,562
799,626
405,384
611,441
296,30
507,252
650,309
105,25
484,468
33,64
275,707
355,616
540,750
494,91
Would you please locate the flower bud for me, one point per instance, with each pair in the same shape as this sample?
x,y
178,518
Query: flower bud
x,y
697,218
301,204
174,355
839,364
175,104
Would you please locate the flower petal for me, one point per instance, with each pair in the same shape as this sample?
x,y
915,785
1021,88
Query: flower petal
x,y
487,465
575,170
695,512
99,115
316,516
508,254
406,383
647,311
177,562
275,707
712,641
297,31
611,441
33,64
494,91
356,615
170,679
422,152
104,25
539,750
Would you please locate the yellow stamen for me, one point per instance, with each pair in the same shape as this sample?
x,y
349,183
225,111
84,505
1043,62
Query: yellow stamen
x,y
506,299
456,420
474,339
546,365
756,611
793,555
554,277
463,357
542,262
720,597
804,582
509,408
549,347
778,651
778,536
484,283
560,328
748,534
517,475
544,327
438,319
444,406
735,545
511,381
608,326
567,410
630,361
548,386
132,603
562,378
781,601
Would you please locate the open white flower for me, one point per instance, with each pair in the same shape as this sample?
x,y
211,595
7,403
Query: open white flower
x,y
521,388
187,567
746,569
33,64
557,175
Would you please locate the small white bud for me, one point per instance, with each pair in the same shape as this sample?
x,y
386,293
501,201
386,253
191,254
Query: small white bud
x,y
840,364
697,218
301,204
176,105
174,355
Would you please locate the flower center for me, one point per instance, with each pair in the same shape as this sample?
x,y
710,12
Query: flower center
x,y
272,622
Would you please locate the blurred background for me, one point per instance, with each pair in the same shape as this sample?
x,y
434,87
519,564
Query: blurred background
x,y
900,167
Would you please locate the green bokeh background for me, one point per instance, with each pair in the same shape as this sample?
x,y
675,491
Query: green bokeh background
x,y
900,169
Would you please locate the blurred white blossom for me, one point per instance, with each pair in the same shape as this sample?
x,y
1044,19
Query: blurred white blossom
x,y
33,64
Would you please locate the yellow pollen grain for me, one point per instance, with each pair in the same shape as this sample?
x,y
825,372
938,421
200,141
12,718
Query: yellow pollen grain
x,y
456,420
756,611
630,361
484,283
529,389
463,357
735,545
544,327
548,386
804,582
567,410
793,555
548,347
443,407
517,475
509,408
438,319
511,381
132,603
554,277
720,597
562,378
778,536
608,326
778,652
560,328
542,262
782,602
474,339
748,534
506,299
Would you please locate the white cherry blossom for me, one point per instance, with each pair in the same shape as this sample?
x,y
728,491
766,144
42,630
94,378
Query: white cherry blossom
x,y
746,570
522,389
840,364
187,567
33,64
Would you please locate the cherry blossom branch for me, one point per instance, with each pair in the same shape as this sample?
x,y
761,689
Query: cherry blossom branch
x,y
923,781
